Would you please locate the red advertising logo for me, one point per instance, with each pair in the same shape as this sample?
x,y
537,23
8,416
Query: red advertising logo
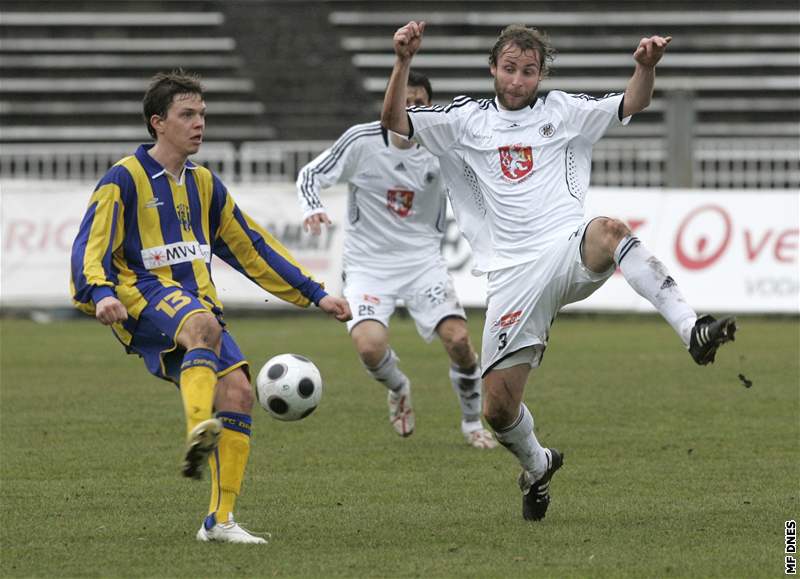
x,y
703,236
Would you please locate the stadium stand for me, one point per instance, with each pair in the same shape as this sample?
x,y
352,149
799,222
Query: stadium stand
x,y
734,65
76,71
286,77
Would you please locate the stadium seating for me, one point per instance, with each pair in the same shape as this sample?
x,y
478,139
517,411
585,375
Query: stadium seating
x,y
299,73
76,71
742,63
735,66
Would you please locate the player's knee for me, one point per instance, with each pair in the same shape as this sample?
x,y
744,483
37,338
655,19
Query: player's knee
x,y
371,352
455,338
461,351
613,231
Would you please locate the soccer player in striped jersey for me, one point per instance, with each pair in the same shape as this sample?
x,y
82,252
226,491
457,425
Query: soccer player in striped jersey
x,y
141,263
392,251
518,169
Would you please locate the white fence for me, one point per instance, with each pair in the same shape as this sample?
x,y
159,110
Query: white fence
x,y
718,163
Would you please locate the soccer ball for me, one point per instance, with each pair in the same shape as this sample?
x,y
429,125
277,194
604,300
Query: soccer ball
x,y
289,387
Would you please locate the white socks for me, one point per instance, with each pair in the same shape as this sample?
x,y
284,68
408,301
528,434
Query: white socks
x,y
651,280
468,389
521,441
388,373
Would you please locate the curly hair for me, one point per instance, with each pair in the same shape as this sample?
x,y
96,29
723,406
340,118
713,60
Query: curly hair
x,y
526,39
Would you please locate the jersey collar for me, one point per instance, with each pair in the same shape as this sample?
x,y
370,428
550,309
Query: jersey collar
x,y
520,112
154,168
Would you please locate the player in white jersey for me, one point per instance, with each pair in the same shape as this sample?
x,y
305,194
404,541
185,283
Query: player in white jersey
x,y
392,251
518,169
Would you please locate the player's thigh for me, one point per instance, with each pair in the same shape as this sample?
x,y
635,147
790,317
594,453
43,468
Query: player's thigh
x,y
202,330
431,300
154,333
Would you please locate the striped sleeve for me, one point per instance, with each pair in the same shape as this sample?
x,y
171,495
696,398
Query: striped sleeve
x,y
101,232
334,165
251,250
438,128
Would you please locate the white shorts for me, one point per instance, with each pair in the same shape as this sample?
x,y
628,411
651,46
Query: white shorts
x,y
428,295
523,301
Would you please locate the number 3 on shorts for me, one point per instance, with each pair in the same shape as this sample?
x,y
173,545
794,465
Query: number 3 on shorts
x,y
502,340
172,303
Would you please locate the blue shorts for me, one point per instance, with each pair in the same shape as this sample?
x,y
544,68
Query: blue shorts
x,y
160,322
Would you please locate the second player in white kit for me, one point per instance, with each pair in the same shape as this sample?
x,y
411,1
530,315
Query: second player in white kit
x,y
392,251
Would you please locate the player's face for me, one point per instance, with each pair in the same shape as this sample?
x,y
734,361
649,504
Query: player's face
x,y
182,129
417,96
516,77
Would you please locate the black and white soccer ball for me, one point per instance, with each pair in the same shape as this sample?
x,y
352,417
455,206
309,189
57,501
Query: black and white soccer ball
x,y
289,387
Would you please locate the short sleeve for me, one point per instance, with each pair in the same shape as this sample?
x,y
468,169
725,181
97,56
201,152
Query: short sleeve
x,y
438,128
586,115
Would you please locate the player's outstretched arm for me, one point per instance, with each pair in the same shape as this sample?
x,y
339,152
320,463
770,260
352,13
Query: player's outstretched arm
x,y
640,87
110,310
313,223
337,307
406,42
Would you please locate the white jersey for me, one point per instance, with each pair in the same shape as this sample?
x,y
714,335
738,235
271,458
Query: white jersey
x,y
396,206
517,179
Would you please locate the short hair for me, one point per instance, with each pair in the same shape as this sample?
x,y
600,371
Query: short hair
x,y
418,79
526,39
162,89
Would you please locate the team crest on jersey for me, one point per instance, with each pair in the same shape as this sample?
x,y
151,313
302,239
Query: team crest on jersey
x,y
516,162
183,216
400,201
547,130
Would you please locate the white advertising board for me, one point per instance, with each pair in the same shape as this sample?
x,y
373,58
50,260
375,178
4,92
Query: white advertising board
x,y
729,251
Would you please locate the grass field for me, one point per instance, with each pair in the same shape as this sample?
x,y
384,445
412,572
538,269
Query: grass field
x,y
671,469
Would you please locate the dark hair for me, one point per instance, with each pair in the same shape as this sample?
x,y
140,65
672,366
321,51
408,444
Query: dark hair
x,y
162,89
526,39
418,79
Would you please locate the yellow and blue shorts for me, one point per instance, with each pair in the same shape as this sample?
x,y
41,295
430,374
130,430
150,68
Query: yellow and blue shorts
x,y
154,334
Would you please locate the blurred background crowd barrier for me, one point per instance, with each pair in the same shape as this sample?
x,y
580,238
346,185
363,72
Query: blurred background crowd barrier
x,y
285,78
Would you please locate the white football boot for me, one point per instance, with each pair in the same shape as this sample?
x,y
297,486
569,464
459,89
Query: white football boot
x,y
201,442
401,412
477,436
228,532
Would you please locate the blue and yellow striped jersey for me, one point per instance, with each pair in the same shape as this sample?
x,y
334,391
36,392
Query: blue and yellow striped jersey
x,y
143,232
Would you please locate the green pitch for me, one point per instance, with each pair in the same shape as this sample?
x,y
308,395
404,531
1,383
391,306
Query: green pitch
x,y
670,470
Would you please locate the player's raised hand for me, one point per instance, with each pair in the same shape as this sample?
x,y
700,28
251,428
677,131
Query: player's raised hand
x,y
650,50
313,223
407,39
110,310
337,307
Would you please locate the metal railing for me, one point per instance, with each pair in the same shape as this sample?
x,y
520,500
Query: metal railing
x,y
721,163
